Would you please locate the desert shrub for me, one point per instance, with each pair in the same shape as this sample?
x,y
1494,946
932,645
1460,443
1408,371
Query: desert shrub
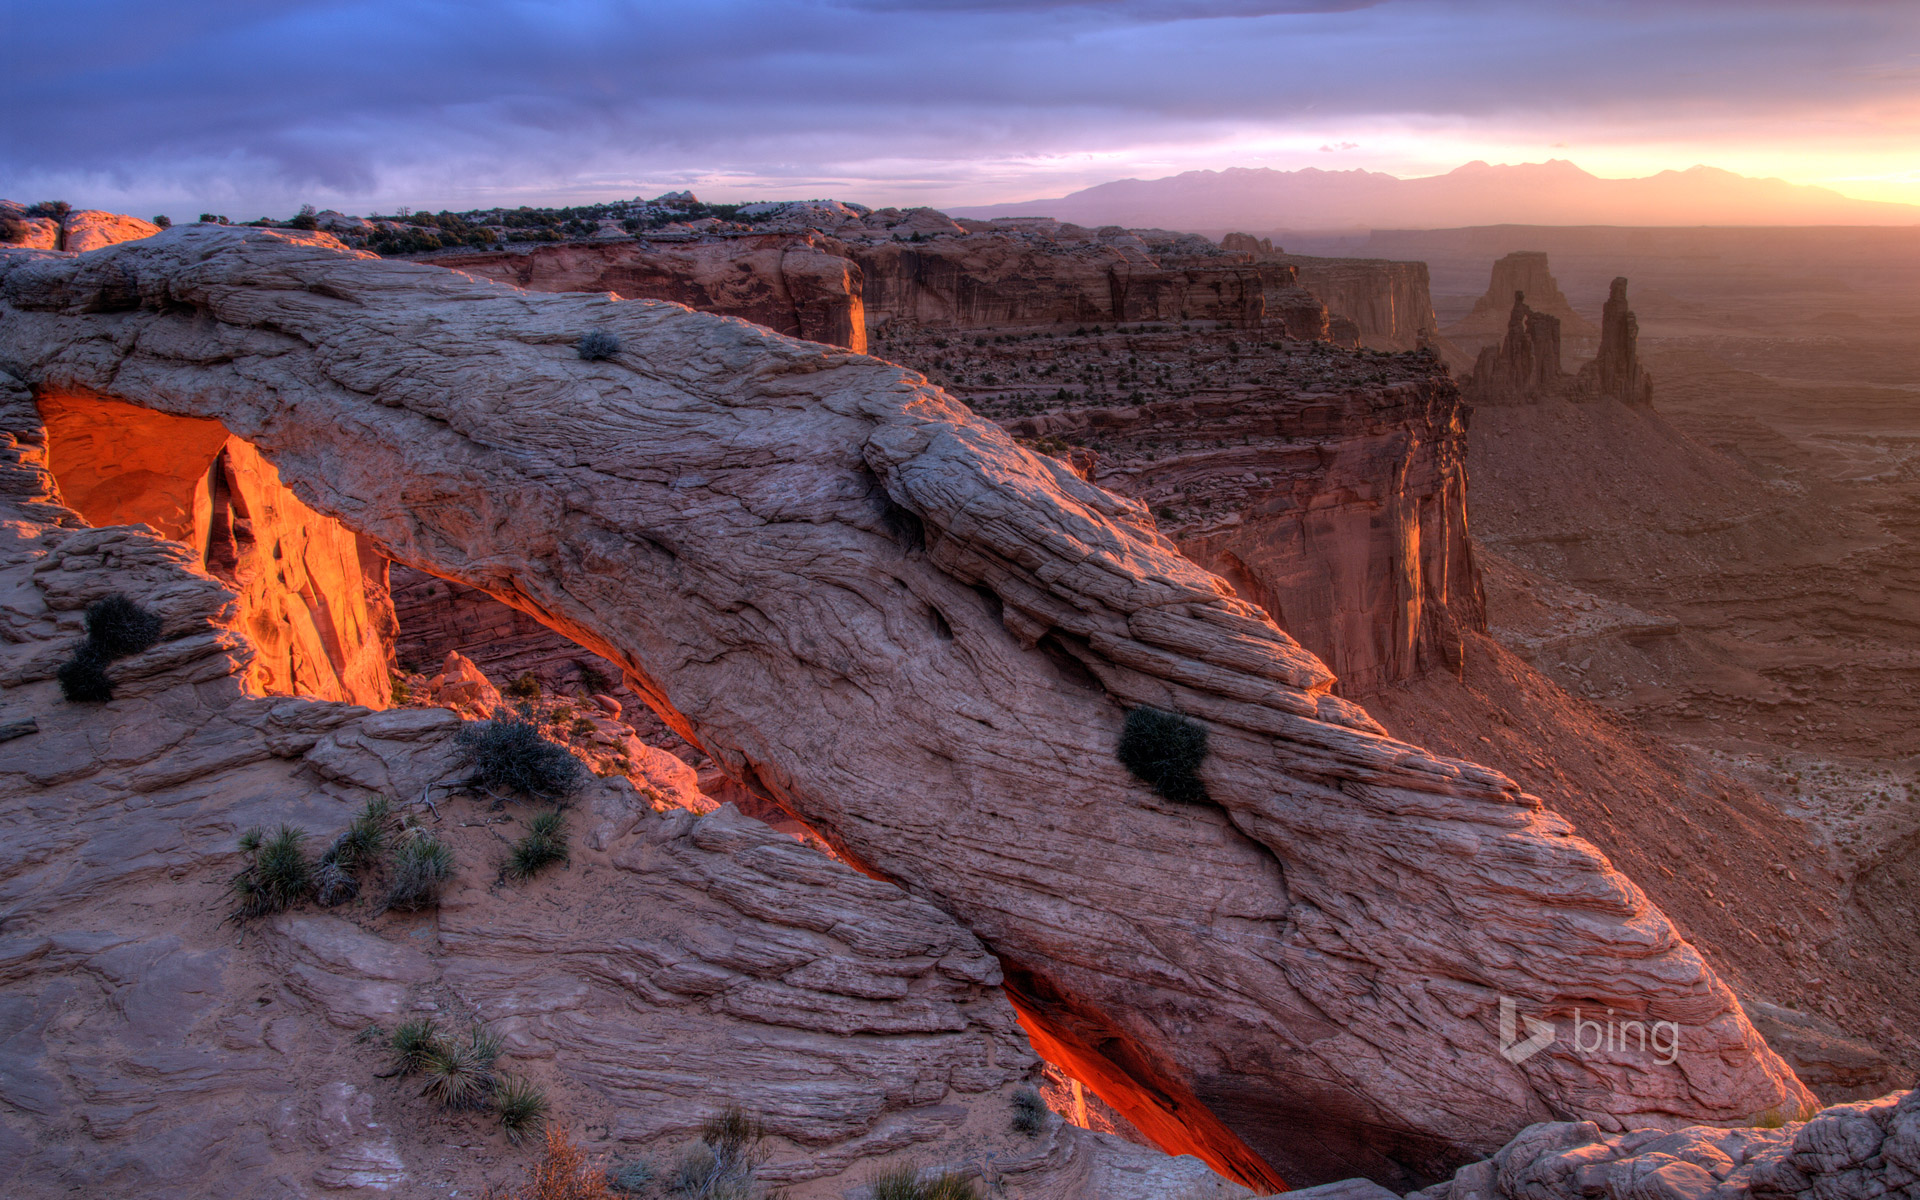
x,y
563,1173
632,1178
524,686
305,219
163,221
366,839
12,231
333,884
458,1076
948,1186
55,209
519,1105
510,755
597,344
120,627
421,867
594,679
1029,1111
895,1183
1164,749
411,1044
545,843
581,728
277,874
212,219
83,677
721,1166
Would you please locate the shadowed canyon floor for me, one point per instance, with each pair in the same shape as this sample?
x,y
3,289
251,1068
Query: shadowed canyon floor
x,y
927,640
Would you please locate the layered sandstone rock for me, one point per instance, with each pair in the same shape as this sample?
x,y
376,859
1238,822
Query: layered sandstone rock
x,y
678,964
313,596
86,229
1861,1151
802,285
1524,271
1329,488
876,609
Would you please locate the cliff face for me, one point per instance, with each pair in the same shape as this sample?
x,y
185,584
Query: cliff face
x,y
797,284
1328,487
312,596
876,609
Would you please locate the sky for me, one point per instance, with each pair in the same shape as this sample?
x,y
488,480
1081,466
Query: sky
x,y
250,108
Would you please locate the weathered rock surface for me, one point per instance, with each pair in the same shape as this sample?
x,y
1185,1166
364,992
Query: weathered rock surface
x,y
801,285
1861,1151
1328,487
677,965
86,229
312,596
878,610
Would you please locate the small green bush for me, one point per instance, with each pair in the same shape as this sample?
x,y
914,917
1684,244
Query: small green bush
x,y
525,686
596,345
631,1178
411,1044
333,884
367,838
1165,750
277,875
545,843
56,210
510,755
457,1076
1029,1111
421,868
895,1183
520,1106
83,678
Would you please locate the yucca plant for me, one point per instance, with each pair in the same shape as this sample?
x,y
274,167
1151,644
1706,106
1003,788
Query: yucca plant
x,y
545,843
421,868
277,874
412,1043
367,838
456,1076
520,1106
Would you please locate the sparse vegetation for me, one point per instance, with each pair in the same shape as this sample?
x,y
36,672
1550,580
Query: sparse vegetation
x,y
598,344
116,627
83,678
458,1076
545,843
411,1043
903,1182
594,680
163,221
53,210
1165,750
421,868
277,875
1029,1111
511,756
563,1173
367,838
524,686
519,1105
632,1178
721,1166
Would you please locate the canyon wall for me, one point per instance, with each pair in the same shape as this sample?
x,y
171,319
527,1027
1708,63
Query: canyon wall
x,y
312,595
801,285
881,613
1328,487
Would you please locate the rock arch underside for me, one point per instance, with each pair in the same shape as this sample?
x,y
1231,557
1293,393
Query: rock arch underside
x,y
883,615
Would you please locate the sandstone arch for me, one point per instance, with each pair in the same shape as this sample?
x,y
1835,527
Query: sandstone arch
x,y
921,639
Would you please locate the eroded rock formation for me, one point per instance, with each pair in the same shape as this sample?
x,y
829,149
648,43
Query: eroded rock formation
x,y
1616,373
679,964
1388,305
801,285
1328,488
1525,366
1524,271
313,596
880,612
80,230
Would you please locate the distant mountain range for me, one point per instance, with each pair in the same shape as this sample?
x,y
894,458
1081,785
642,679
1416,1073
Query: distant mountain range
x,y
1549,193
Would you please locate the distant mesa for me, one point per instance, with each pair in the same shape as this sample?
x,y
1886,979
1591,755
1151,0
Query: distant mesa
x,y
1522,271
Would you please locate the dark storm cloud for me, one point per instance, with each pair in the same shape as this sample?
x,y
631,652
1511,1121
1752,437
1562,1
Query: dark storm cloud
x,y
270,99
